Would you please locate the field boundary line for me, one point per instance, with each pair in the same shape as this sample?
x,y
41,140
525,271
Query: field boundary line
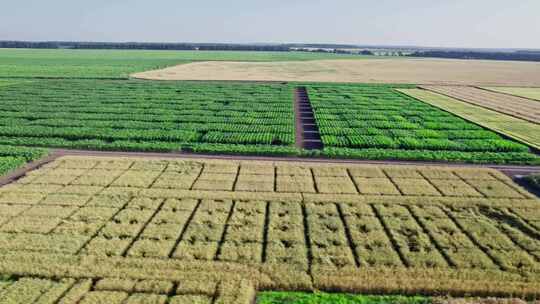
x,y
93,153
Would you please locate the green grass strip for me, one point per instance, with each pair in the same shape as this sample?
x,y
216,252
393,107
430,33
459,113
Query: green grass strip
x,y
330,298
520,130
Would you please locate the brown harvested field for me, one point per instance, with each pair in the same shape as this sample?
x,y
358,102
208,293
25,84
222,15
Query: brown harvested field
x,y
122,230
519,107
399,70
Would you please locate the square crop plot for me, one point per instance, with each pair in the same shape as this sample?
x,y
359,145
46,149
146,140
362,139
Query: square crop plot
x,y
379,122
150,115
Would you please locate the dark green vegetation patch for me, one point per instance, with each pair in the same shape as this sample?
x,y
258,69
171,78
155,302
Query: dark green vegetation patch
x,y
533,181
377,122
329,298
149,116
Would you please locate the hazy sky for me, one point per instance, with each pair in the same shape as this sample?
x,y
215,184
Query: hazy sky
x,y
450,23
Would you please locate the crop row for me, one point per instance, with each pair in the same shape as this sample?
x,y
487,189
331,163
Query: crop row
x,y
412,143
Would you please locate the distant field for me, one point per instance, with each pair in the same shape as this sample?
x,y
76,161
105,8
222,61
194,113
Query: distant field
x,y
532,93
518,107
375,121
185,229
376,70
527,132
121,63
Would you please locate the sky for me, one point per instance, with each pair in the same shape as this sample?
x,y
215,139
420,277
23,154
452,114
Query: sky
x,y
442,23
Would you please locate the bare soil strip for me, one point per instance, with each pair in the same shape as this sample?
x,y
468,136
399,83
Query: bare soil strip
x,y
399,70
307,132
519,107
118,229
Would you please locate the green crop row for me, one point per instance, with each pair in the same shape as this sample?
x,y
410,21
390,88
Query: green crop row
x,y
411,143
430,155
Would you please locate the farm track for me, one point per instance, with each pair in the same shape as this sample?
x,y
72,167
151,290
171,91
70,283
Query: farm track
x,y
307,131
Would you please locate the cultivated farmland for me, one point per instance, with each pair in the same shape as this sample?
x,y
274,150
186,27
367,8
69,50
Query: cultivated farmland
x,y
223,229
149,116
521,130
135,228
375,121
270,225
519,107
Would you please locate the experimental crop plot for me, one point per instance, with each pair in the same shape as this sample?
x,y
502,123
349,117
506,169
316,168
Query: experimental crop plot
x,y
519,129
174,242
378,122
149,116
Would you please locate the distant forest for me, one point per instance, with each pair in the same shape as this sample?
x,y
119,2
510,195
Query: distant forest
x,y
142,46
518,55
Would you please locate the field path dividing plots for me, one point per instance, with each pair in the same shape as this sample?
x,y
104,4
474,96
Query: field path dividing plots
x,y
307,131
522,108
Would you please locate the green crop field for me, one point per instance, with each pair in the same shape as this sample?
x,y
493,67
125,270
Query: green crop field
x,y
521,130
14,157
378,122
355,121
149,116
121,63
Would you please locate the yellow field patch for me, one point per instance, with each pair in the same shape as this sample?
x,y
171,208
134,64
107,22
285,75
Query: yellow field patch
x,y
151,235
397,70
